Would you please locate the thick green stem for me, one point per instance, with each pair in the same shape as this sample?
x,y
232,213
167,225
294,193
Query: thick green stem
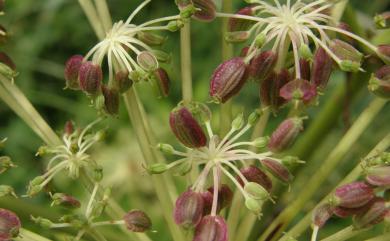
x,y
305,222
344,234
26,235
384,237
186,73
353,134
93,17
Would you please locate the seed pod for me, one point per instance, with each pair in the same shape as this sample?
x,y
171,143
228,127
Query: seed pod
x,y
262,65
211,228
157,168
373,215
256,191
342,212
305,68
187,128
162,81
352,195
379,83
237,36
90,78
123,81
322,69
72,68
188,209
384,52
378,175
286,133
206,10
111,100
277,169
225,197
64,200
137,221
382,20
9,225
236,24
254,174
351,57
270,88
147,61
151,38
299,89
228,79
254,205
322,214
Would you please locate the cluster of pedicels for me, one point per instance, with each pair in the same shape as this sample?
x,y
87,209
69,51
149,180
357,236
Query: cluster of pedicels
x,y
366,201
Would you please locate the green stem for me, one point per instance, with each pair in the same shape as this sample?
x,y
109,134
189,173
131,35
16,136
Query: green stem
x,y
338,10
26,235
344,234
92,16
305,222
186,73
384,237
353,134
104,14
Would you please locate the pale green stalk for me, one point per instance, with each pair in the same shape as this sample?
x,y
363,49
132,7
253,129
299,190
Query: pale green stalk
x,y
384,237
185,60
26,235
92,16
104,14
344,234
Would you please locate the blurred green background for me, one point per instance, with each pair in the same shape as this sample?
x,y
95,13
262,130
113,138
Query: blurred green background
x,y
43,34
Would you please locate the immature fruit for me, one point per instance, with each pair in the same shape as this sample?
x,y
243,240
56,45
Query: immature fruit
x,y
352,195
374,214
225,197
254,174
262,65
236,24
378,175
111,100
65,200
322,69
299,89
322,214
123,81
211,228
286,133
162,81
188,209
90,77
270,88
350,57
277,169
228,79
137,221
206,10
72,68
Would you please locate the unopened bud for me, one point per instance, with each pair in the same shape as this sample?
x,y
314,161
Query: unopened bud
x,y
254,117
9,225
90,77
64,200
286,133
137,221
238,122
7,191
254,174
254,205
277,169
72,68
5,59
175,25
5,163
228,79
188,209
211,228
379,83
237,24
225,197
262,65
261,142
166,148
350,57
97,174
322,68
270,88
256,191
352,195
305,52
384,52
43,222
157,168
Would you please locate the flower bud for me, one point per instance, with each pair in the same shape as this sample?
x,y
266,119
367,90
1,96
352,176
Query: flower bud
x,y
237,36
186,128
277,169
373,215
305,52
384,52
322,214
290,161
261,142
72,68
238,122
379,83
262,65
7,66
162,81
137,221
123,81
345,26
352,195
254,174
157,168
5,163
211,228
270,88
237,24
351,58
382,20
206,10
9,225
299,89
228,79
97,173
7,191
286,133
90,77
111,100
188,209
64,200
378,175
68,128
151,38
147,61
322,69
175,25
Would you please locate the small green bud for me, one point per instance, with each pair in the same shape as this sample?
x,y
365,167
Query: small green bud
x,y
291,161
187,11
157,168
97,174
237,36
252,119
260,40
349,66
7,71
33,190
43,150
43,222
107,194
261,142
305,52
256,191
6,191
174,26
238,122
98,209
254,205
5,163
165,148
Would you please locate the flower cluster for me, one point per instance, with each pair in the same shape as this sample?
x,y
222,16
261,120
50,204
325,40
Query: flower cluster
x,y
199,206
363,200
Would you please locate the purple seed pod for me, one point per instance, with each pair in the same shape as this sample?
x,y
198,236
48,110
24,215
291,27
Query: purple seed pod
x,y
305,67
211,228
163,81
111,100
90,77
123,81
65,200
151,38
322,69
299,89
277,169
262,65
352,195
322,214
382,20
342,212
351,58
378,175
236,24
9,225
72,68
188,209
255,174
207,202
270,88
379,83
206,10
225,197
137,221
286,133
187,128
374,214
5,59
228,79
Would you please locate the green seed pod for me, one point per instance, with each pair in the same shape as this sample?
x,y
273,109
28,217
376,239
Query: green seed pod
x,y
256,191
157,168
